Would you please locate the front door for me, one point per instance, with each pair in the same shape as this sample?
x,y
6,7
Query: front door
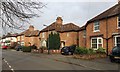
x,y
62,44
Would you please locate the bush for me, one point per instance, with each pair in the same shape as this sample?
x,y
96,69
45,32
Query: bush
x,y
91,51
26,49
81,50
101,50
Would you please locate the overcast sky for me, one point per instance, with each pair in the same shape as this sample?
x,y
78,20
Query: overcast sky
x,y
71,12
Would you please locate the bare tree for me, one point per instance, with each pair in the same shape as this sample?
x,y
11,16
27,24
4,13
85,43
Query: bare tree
x,y
16,13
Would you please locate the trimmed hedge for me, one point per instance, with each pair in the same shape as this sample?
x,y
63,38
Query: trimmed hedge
x,y
26,49
83,50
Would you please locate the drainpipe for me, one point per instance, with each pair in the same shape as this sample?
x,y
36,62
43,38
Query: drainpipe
x,y
107,36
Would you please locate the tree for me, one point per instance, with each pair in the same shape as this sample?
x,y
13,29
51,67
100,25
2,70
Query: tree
x,y
53,41
16,14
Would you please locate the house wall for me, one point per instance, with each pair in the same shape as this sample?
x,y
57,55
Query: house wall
x,y
82,39
35,40
69,38
112,28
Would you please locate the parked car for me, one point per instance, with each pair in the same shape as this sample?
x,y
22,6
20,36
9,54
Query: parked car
x,y
68,50
18,47
115,54
4,47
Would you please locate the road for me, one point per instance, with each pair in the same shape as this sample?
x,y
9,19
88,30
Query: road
x,y
17,60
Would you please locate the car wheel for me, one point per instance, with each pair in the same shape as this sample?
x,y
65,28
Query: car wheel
x,y
71,53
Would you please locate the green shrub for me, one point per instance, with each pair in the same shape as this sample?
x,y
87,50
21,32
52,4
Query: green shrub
x,y
91,51
81,50
26,49
101,50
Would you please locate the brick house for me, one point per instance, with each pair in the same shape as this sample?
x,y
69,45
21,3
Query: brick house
x,y
68,33
9,39
29,37
104,29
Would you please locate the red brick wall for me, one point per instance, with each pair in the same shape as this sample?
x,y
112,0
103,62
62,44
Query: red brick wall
x,y
112,28
82,39
70,39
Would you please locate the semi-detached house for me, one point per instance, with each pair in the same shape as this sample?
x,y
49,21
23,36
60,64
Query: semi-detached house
x,y
102,30
68,33
29,37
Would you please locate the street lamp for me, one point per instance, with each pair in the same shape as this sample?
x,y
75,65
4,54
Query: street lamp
x,y
48,39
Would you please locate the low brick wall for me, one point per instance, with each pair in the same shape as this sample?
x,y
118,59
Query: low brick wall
x,y
52,51
89,56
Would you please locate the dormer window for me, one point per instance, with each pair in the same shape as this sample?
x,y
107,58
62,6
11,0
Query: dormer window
x,y
119,21
96,26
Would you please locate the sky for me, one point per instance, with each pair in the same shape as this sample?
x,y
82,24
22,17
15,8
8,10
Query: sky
x,y
72,11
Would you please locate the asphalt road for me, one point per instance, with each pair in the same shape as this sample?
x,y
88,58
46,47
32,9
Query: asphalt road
x,y
26,61
17,60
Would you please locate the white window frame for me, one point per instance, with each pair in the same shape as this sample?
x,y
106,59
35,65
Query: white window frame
x,y
43,35
67,34
118,21
115,41
97,42
22,37
18,38
22,43
96,26
84,33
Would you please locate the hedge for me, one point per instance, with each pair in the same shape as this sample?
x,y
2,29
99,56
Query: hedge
x,y
26,49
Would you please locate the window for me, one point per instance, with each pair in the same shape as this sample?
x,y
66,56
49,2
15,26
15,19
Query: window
x,y
22,43
117,40
67,34
119,21
84,33
96,26
96,42
22,37
43,35
18,38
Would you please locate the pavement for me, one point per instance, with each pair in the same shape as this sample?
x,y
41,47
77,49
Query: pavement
x,y
95,64
37,61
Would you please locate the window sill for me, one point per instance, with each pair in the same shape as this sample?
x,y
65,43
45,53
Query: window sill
x,y
118,28
97,31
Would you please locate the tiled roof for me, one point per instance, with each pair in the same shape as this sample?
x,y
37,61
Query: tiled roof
x,y
68,27
61,28
82,28
10,35
30,33
113,11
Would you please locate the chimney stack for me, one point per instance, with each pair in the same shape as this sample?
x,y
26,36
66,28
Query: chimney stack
x,y
31,28
59,20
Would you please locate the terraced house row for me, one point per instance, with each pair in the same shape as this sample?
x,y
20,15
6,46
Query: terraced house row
x,y
100,31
